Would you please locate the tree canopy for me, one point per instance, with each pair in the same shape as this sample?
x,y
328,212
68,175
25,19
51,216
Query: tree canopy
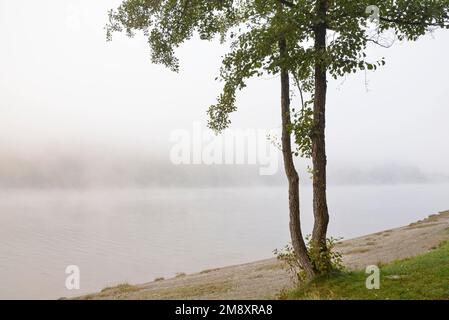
x,y
253,29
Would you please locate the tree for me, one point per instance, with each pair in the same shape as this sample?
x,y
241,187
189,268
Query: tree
x,y
303,41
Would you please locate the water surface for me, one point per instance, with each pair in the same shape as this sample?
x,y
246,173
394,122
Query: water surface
x,y
136,235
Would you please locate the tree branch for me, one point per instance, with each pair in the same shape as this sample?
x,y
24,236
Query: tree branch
x,y
287,3
413,23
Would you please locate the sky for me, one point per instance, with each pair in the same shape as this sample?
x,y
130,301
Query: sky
x,y
63,87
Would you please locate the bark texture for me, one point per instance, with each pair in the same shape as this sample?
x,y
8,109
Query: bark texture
x,y
319,159
292,175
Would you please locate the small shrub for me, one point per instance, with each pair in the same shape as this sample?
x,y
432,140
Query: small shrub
x,y
209,270
180,274
122,288
323,261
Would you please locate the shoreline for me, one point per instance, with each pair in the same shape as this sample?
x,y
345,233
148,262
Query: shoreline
x,y
265,279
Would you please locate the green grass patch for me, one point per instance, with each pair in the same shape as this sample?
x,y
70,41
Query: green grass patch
x,y
422,277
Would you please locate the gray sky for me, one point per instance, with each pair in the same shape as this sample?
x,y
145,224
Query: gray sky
x,y
63,86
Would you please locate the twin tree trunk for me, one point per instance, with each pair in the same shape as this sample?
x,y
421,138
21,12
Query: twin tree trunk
x,y
320,210
319,159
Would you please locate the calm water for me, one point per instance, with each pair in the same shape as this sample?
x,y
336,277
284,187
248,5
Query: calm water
x,y
134,236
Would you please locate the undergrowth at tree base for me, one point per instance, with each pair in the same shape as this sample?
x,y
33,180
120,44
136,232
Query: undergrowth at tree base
x,y
324,260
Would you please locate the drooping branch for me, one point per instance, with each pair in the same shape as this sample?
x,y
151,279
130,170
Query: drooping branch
x,y
376,42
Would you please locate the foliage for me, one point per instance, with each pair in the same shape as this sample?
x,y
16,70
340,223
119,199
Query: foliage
x,y
253,29
302,126
422,277
287,255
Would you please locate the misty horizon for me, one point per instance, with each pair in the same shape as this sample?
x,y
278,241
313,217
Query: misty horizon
x,y
125,168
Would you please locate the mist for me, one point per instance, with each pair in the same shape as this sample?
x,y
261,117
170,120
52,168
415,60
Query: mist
x,y
87,178
65,90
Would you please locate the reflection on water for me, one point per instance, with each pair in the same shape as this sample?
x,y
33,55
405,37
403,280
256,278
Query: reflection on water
x,y
136,235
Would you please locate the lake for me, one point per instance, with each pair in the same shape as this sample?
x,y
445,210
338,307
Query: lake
x,y
135,235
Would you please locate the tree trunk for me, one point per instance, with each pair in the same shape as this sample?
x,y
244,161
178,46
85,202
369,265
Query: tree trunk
x,y
319,159
292,175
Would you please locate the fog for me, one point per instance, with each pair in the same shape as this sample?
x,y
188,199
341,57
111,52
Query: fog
x,y
78,111
87,170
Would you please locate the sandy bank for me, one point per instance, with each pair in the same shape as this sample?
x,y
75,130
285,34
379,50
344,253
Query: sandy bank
x,y
265,279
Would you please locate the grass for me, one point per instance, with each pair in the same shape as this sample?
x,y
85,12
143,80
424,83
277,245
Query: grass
x,y
180,274
213,290
422,277
358,250
117,292
209,270
121,288
271,267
